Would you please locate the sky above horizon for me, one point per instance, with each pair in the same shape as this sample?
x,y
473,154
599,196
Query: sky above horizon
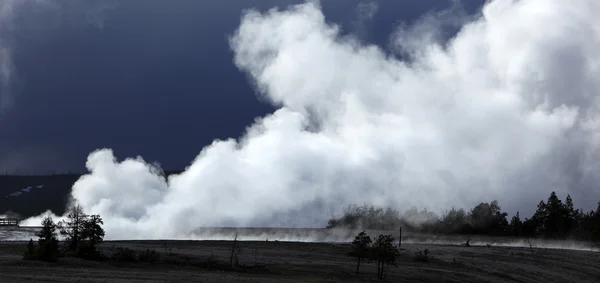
x,y
156,80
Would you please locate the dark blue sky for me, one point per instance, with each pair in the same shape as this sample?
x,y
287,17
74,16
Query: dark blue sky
x,y
157,80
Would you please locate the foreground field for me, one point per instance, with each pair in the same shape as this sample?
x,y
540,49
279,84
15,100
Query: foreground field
x,y
207,261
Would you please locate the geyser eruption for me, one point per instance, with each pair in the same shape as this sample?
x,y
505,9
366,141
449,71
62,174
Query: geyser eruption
x,y
507,109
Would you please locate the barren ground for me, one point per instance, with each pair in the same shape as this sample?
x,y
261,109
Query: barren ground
x,y
304,262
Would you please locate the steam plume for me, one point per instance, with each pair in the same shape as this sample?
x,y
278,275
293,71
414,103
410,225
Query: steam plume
x,y
507,110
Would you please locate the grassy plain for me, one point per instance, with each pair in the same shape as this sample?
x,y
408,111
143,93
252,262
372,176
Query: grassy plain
x,y
273,261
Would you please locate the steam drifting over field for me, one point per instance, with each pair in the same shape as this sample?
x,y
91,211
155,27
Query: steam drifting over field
x,y
506,110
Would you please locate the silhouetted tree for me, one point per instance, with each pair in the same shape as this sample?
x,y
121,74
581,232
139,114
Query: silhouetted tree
x,y
454,221
384,252
530,227
361,248
555,222
499,224
592,224
487,218
540,217
516,225
572,216
91,233
74,226
47,240
92,230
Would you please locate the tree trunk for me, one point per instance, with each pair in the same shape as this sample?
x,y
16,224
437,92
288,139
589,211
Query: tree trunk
x,y
400,238
357,265
74,240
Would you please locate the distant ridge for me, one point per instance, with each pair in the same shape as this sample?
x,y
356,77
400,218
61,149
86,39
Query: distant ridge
x,y
32,194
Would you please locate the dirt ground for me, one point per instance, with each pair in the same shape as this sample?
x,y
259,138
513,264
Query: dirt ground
x,y
207,261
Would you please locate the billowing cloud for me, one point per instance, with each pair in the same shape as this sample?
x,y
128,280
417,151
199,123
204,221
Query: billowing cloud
x,y
431,28
506,110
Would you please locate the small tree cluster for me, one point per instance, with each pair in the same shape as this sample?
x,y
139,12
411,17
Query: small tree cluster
x,y
382,251
82,232
557,219
47,248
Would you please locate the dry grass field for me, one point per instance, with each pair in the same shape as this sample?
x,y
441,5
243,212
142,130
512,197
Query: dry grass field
x,y
273,261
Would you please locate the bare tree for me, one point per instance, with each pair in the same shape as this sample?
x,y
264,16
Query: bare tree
x,y
468,242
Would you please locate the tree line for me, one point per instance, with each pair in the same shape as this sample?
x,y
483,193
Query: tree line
x,y
553,218
81,233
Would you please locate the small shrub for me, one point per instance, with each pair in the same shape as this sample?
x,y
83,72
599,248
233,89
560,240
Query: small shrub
x,y
48,251
149,255
422,256
124,255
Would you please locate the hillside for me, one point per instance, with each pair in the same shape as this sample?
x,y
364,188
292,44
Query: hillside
x,y
30,195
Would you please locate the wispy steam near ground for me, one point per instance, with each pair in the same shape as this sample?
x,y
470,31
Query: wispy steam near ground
x,y
506,110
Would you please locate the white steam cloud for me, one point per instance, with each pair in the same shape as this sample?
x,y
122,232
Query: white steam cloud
x,y
506,110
